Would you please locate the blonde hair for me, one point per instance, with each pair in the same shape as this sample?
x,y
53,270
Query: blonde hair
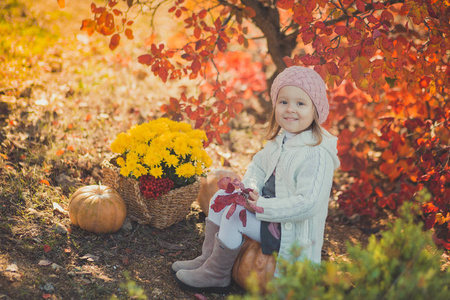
x,y
274,129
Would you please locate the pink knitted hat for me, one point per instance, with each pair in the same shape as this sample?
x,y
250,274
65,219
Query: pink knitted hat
x,y
309,81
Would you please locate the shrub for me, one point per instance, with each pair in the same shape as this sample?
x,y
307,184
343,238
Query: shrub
x,y
402,264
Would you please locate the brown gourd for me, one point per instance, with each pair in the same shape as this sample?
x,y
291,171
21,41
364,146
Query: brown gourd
x,y
97,209
251,259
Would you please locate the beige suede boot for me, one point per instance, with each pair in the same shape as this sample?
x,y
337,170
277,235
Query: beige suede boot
x,y
210,232
214,276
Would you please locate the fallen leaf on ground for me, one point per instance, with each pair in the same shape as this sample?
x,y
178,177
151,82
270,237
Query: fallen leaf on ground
x,y
58,208
200,297
47,248
12,268
90,257
44,262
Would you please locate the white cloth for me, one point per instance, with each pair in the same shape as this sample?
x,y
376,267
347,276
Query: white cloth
x,y
303,181
232,229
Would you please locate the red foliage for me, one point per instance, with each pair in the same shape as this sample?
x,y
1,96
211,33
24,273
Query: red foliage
x,y
236,194
386,64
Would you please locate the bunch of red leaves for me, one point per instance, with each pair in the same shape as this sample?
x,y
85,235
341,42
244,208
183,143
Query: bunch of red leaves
x,y
237,194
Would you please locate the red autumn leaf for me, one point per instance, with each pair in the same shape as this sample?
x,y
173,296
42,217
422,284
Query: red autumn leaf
x,y
310,6
360,5
386,16
88,26
332,68
429,208
231,210
221,202
376,73
424,81
346,162
196,65
341,30
145,59
308,37
285,4
223,182
243,217
102,18
230,188
163,73
47,248
197,32
109,22
237,106
387,44
354,34
372,19
114,42
215,120
221,106
44,181
112,3
222,45
202,14
199,122
129,33
238,184
379,191
430,221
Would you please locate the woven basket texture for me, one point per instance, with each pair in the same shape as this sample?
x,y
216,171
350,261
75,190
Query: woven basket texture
x,y
166,210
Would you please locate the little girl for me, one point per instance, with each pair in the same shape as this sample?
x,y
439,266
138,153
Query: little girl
x,y
291,178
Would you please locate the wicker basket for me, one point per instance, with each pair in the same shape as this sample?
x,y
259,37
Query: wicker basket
x,y
162,212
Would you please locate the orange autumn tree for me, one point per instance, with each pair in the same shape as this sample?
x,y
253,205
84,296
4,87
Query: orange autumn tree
x,y
386,64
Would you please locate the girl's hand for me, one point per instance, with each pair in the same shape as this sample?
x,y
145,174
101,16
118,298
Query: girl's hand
x,y
252,200
254,195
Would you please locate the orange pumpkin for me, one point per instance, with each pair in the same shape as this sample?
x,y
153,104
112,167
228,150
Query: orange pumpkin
x,y
251,259
209,186
97,209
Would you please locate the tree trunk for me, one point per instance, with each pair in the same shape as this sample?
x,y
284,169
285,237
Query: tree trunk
x,y
279,45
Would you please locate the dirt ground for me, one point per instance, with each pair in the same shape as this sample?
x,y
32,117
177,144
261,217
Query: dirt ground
x,y
58,118
82,265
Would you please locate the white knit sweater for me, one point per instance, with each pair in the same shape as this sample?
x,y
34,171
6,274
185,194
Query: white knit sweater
x,y
303,180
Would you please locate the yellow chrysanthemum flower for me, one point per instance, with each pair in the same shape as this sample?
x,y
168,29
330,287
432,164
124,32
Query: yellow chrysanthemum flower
x,y
120,161
198,170
141,149
171,160
185,170
151,158
158,146
156,171
119,145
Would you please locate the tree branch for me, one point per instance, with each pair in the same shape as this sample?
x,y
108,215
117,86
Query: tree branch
x,y
357,13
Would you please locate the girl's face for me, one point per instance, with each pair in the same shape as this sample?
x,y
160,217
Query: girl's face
x,y
294,109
